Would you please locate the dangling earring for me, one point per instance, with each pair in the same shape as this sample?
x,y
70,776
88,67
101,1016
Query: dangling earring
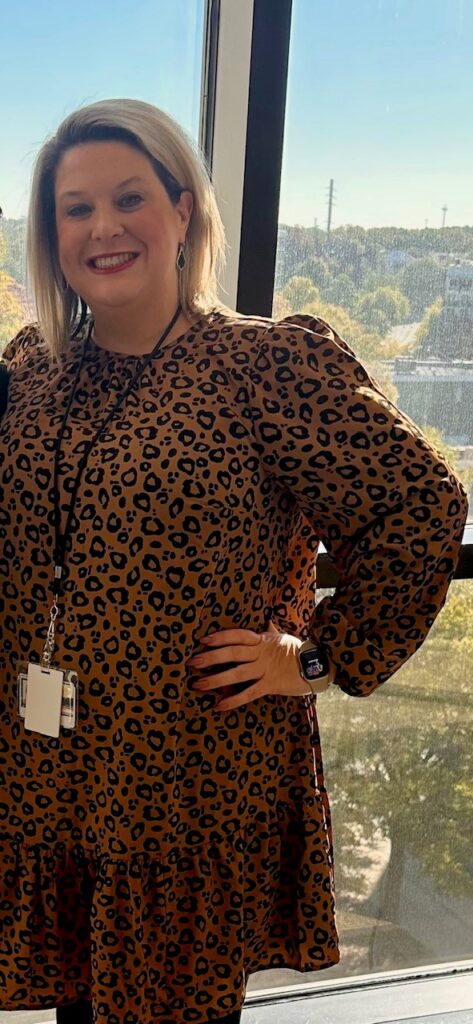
x,y
181,257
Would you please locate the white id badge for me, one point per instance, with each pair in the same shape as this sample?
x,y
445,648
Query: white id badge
x,y
69,695
43,699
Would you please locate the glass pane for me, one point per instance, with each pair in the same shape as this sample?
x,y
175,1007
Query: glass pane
x,y
375,220
87,52
398,770
374,237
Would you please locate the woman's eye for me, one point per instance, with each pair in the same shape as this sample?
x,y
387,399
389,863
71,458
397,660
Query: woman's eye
x,y
131,195
72,211
76,211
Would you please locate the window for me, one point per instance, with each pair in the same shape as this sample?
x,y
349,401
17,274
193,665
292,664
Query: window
x,y
375,230
68,56
374,236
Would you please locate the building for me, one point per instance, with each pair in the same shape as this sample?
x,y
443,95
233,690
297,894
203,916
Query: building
x,y
437,393
451,336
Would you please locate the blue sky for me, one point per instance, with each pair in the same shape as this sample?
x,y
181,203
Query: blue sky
x,y
379,96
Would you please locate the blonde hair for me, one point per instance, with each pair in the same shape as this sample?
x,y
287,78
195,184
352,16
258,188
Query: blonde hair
x,y
178,164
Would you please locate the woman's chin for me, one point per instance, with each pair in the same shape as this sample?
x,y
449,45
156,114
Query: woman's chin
x,y
105,298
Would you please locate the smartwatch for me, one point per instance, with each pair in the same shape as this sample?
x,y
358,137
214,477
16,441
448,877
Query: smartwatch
x,y
314,666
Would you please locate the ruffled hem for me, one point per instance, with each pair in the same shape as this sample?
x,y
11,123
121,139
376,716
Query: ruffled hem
x,y
170,936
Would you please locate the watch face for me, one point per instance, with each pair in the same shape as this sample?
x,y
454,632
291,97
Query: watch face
x,y
314,663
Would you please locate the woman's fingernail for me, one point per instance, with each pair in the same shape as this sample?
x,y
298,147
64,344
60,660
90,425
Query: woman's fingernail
x,y
209,639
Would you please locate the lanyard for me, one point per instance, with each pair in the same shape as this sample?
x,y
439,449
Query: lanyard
x,y
61,540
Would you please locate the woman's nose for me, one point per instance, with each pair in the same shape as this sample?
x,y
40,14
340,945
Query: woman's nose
x,y
106,224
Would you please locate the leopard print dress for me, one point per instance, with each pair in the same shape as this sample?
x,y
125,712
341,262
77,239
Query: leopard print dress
x,y
161,852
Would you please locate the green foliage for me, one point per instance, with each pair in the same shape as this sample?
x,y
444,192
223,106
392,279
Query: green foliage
x,y
335,288
10,307
400,763
421,241
423,282
362,256
341,292
383,308
11,316
427,326
351,256
13,263
380,278
316,269
298,292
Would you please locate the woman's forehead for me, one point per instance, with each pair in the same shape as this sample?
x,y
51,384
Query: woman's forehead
x,y
101,163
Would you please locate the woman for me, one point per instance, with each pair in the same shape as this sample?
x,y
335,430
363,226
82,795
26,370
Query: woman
x,y
167,470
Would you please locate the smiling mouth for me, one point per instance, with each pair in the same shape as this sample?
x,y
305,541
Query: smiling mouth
x,y
109,263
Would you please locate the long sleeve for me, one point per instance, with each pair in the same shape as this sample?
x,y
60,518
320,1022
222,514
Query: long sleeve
x,y
388,507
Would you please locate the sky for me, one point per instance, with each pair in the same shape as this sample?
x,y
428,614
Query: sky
x,y
379,97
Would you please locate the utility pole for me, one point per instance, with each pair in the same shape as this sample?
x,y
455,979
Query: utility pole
x,y
331,204
444,210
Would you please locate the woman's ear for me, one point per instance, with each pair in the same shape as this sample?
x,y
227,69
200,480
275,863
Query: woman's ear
x,y
185,206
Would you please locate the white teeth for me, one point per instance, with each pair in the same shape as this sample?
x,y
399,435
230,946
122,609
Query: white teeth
x,y
113,261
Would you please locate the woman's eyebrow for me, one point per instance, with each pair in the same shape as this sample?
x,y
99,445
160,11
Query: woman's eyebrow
x,y
127,181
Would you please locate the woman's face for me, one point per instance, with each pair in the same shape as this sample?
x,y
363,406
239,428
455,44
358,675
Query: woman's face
x,y
107,216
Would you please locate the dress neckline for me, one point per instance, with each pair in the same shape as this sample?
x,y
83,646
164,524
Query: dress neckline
x,y
123,357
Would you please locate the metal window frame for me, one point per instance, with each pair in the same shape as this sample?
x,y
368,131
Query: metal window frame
x,y
436,992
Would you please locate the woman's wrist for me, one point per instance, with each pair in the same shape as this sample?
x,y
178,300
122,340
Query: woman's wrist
x,y
328,678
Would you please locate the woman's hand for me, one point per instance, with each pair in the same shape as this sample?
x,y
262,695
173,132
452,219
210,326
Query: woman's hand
x,y
269,658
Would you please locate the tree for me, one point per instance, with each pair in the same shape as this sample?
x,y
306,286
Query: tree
x,y
423,281
13,263
399,765
427,327
11,317
340,291
298,292
316,268
383,308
